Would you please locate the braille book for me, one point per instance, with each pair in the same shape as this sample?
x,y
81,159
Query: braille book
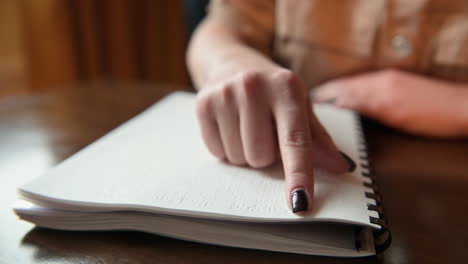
x,y
154,174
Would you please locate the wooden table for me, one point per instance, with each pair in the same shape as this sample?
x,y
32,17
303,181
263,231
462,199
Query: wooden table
x,y
424,184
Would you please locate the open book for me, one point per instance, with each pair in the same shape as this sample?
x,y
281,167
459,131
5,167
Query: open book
x,y
154,174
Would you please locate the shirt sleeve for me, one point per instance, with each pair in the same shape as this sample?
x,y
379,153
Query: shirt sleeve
x,y
252,19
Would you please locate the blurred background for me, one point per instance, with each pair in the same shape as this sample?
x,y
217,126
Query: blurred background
x,y
54,44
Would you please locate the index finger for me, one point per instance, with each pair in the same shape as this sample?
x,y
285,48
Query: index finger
x,y
291,113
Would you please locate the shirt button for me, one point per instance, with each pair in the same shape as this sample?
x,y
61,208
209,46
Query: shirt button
x,y
401,45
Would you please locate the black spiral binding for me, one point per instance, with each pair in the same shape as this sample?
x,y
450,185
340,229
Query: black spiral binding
x,y
382,237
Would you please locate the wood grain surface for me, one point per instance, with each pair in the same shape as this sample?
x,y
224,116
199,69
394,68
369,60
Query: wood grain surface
x,y
424,183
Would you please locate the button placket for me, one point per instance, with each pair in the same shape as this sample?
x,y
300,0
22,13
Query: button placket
x,y
401,45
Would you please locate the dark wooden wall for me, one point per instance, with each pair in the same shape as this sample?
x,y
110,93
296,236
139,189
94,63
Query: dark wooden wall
x,y
68,41
11,50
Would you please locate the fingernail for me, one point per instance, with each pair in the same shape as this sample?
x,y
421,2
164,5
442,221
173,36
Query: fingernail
x,y
351,163
299,201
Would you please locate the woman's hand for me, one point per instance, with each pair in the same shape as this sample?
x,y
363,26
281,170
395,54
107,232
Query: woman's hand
x,y
249,108
406,101
246,118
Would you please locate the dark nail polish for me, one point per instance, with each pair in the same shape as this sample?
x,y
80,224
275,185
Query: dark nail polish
x,y
299,201
351,163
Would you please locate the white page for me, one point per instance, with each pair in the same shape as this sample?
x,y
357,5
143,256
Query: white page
x,y
158,162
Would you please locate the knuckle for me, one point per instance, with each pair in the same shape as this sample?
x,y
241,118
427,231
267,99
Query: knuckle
x,y
250,83
285,77
287,86
298,138
226,94
251,78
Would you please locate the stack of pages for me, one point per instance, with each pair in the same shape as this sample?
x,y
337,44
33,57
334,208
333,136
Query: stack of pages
x,y
154,174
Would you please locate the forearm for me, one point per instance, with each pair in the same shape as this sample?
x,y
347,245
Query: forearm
x,y
217,52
